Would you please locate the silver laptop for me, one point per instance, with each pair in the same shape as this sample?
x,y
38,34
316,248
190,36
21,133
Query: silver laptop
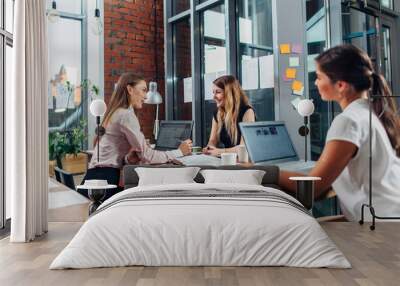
x,y
172,133
269,143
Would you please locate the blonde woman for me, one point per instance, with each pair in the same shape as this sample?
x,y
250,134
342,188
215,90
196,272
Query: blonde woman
x,y
232,108
123,141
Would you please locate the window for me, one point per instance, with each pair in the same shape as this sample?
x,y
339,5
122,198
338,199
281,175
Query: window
x,y
179,6
214,56
182,70
65,65
9,15
6,45
386,54
255,55
387,4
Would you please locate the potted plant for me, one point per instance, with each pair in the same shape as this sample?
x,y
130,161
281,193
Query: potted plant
x,y
65,148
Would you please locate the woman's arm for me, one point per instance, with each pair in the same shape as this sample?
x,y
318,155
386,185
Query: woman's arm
x,y
248,116
335,157
129,126
213,141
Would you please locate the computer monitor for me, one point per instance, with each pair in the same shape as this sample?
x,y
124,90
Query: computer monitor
x,y
268,141
172,133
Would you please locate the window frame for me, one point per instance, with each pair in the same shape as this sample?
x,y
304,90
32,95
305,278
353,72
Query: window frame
x,y
82,18
6,39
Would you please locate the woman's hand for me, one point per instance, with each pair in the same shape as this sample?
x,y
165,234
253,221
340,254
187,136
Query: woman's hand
x,y
186,147
211,150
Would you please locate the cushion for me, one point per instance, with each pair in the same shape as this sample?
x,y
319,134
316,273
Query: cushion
x,y
271,177
163,176
248,177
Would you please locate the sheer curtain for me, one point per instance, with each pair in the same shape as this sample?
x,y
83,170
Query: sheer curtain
x,y
26,121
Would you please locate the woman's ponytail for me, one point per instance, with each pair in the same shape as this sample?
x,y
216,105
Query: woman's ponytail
x,y
385,108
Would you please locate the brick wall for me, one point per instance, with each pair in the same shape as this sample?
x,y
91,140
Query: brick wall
x,y
129,45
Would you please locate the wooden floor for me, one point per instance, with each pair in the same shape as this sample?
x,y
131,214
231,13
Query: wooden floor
x,y
375,257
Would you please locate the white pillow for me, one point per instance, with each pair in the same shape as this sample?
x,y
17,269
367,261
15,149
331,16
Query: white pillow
x,y
166,176
248,177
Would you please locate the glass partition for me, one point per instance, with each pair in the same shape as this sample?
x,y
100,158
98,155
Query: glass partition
x,y
316,43
182,70
255,55
387,59
387,4
214,56
179,6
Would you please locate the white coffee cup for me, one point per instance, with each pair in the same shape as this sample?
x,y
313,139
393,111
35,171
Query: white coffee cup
x,y
243,157
228,158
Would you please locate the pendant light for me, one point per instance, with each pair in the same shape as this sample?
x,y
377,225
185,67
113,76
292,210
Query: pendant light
x,y
53,15
97,25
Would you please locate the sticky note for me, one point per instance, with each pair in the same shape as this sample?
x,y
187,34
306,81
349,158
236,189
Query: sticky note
x,y
299,92
284,77
285,48
297,85
297,48
291,73
294,62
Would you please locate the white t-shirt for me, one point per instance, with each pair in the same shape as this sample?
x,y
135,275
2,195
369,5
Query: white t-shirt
x,y
352,185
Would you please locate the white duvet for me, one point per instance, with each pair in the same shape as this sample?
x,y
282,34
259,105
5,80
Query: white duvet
x,y
200,231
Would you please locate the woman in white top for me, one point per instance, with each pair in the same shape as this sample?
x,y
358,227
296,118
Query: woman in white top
x,y
123,142
345,74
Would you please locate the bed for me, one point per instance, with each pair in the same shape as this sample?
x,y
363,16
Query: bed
x,y
197,224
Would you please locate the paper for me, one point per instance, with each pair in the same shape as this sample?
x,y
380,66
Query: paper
x,y
208,83
294,62
290,73
299,92
295,102
245,30
297,48
285,48
266,71
297,85
187,90
250,74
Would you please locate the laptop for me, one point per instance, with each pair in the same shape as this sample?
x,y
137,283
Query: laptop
x,y
269,143
171,133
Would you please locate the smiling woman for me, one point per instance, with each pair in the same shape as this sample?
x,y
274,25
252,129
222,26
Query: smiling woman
x,y
123,141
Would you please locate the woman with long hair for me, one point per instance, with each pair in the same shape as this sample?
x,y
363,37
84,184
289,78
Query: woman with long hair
x,y
123,142
345,74
232,108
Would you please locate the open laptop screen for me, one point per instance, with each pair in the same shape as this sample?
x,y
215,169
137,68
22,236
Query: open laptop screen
x,y
268,141
171,133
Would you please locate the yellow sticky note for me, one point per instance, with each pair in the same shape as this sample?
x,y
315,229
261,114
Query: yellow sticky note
x,y
297,85
285,48
291,73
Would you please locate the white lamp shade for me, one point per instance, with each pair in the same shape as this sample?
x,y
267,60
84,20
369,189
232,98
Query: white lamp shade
x,y
98,107
153,96
305,107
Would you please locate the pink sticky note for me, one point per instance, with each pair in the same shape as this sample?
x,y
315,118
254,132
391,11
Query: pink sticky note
x,y
297,48
285,78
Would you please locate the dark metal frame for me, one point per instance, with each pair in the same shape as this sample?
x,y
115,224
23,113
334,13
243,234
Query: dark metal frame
x,y
194,13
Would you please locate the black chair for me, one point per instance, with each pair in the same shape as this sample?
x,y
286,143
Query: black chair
x,y
64,177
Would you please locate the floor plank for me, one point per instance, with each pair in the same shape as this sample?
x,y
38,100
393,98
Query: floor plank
x,y
375,257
